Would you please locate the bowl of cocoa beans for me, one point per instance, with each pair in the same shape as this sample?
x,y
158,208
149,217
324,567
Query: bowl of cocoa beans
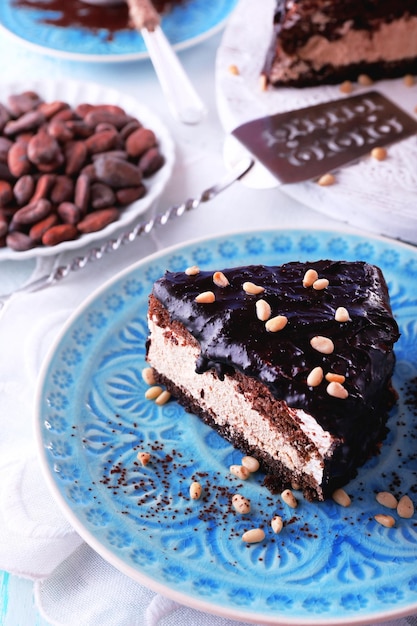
x,y
78,162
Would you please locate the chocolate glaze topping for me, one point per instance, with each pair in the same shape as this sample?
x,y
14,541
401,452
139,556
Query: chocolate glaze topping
x,y
233,338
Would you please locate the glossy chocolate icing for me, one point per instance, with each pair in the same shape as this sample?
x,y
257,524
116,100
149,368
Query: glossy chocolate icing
x,y
233,338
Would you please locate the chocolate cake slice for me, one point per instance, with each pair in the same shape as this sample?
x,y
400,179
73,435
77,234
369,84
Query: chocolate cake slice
x,y
292,364
329,41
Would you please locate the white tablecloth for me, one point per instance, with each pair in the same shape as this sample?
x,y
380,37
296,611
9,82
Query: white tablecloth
x,y
72,584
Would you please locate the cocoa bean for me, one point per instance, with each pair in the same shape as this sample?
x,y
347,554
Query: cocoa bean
x,y
53,166
103,116
4,226
43,149
32,213
130,194
117,173
102,196
38,230
19,241
97,220
5,145
6,193
82,192
76,155
151,161
84,109
49,109
113,154
23,189
59,233
79,128
89,170
5,173
104,126
24,137
102,141
43,187
139,141
17,159
59,130
62,190
129,128
4,116
65,115
29,121
69,213
21,103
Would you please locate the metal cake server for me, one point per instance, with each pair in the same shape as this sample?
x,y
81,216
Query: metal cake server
x,y
142,228
307,143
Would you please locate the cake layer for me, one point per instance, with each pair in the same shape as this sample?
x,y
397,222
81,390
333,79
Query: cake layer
x,y
255,385
325,41
240,409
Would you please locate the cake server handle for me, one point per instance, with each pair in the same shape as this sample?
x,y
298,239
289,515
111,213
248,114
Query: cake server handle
x,y
179,92
142,228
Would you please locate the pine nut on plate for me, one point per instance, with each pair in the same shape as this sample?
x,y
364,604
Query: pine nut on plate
x,y
240,471
289,498
195,490
341,497
148,376
387,499
255,535
250,463
405,507
277,524
385,520
241,504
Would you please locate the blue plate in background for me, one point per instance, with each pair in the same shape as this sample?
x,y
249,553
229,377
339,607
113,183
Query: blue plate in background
x,y
330,565
184,26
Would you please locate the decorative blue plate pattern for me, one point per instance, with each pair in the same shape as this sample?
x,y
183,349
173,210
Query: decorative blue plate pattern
x,y
184,26
329,565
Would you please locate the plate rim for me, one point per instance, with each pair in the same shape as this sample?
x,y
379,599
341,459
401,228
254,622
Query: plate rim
x,y
155,189
124,57
137,575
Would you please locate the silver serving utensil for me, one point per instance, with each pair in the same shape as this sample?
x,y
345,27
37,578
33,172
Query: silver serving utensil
x,y
142,228
179,92
307,143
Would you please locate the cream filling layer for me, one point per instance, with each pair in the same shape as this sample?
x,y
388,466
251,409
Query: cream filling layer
x,y
176,361
392,42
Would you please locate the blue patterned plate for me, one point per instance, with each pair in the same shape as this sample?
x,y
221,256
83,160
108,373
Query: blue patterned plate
x,y
184,26
329,565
